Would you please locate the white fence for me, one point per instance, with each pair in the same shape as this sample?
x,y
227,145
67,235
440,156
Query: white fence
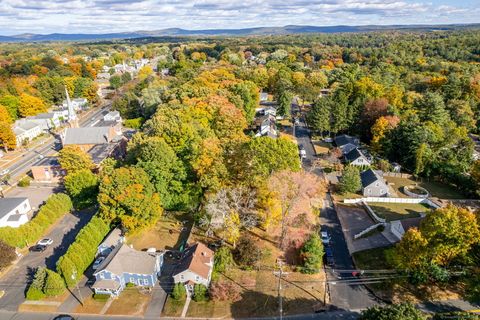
x,y
393,200
373,214
358,235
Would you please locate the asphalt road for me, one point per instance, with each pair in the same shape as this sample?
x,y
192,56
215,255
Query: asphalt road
x,y
343,296
49,147
14,283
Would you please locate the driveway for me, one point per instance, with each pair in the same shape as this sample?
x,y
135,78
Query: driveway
x,y
63,234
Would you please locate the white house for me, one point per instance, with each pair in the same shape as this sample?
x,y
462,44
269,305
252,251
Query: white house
x,y
26,130
357,158
14,212
112,116
77,103
46,121
195,267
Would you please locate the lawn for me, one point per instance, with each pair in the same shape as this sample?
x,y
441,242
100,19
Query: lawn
x,y
372,259
436,189
173,308
130,302
91,306
397,211
164,235
322,147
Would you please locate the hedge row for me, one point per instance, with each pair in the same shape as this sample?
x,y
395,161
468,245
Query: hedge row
x,y
46,283
55,207
82,252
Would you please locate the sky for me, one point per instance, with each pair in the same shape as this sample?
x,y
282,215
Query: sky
x,y
105,16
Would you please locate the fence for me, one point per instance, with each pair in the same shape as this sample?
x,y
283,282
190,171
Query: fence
x,y
397,175
373,214
428,202
358,235
416,195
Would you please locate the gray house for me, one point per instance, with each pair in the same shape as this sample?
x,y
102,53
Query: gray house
x,y
346,143
127,265
373,184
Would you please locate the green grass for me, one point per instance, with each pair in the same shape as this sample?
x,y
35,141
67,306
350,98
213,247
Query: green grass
x,y
397,211
436,189
372,259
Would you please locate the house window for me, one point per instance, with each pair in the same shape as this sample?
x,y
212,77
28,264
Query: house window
x,y
140,282
132,280
369,191
101,275
25,206
181,277
382,191
197,278
377,184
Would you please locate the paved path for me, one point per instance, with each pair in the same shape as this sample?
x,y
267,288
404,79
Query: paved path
x,y
185,306
15,281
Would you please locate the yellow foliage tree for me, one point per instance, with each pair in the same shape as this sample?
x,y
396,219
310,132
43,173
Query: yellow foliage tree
x,y
30,105
4,115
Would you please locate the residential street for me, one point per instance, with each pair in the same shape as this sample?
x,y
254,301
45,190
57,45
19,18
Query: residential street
x,y
343,296
63,234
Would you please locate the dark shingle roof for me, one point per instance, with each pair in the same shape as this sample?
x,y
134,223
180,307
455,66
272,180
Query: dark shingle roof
x,y
344,139
8,204
369,176
353,155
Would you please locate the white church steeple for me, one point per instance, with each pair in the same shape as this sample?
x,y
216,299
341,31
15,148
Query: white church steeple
x,y
72,116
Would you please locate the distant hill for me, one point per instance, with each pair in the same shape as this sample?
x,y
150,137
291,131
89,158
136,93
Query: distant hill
x,y
292,29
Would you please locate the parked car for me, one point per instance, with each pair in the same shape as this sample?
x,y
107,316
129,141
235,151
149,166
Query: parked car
x,y
297,121
90,281
325,237
97,263
328,252
45,242
302,152
330,261
64,317
37,248
4,172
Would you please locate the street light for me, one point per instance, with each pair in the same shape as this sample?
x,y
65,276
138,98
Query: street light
x,y
74,278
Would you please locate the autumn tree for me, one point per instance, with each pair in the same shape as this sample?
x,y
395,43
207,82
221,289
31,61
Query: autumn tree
x,y
7,255
7,137
72,158
127,196
5,115
30,105
297,193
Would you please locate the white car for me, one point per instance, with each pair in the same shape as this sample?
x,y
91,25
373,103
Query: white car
x,y
4,172
45,242
325,237
97,263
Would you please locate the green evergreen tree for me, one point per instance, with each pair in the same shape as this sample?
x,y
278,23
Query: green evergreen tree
x,y
200,293
54,284
350,180
179,292
312,254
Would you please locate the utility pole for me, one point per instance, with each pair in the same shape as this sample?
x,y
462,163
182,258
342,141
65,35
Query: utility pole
x,y
279,274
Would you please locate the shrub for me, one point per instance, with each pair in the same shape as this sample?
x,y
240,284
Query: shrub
x,y
7,255
247,253
403,311
55,207
24,182
312,254
224,291
200,293
223,260
135,123
54,284
101,297
179,292
34,294
130,285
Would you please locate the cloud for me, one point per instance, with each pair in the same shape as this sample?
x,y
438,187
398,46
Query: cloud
x,y
94,16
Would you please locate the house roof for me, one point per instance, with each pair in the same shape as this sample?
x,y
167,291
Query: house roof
x,y
106,284
124,259
370,176
354,155
112,238
345,139
46,115
9,204
23,125
87,135
198,259
114,113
